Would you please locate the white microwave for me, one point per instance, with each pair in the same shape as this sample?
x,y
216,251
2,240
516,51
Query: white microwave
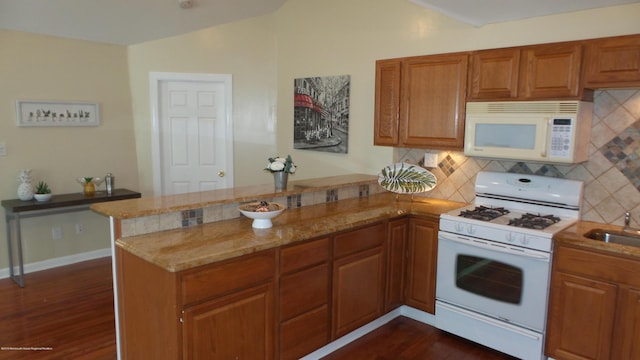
x,y
537,131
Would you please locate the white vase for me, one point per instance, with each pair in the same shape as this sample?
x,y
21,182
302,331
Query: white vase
x,y
25,191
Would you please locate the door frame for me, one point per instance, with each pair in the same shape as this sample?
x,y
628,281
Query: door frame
x,y
155,78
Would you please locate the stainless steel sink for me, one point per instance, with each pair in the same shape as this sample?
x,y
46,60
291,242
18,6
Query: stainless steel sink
x,y
631,237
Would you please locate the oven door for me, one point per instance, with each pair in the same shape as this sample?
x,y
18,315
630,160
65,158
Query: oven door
x,y
501,281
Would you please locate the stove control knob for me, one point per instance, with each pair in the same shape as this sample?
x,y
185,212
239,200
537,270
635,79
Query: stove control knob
x,y
511,237
471,229
459,227
514,236
524,240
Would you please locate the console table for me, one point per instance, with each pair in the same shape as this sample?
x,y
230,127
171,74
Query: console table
x,y
16,209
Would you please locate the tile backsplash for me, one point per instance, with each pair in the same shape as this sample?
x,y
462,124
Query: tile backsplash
x,y
611,175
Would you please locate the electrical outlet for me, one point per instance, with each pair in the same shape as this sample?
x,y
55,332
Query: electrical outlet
x,y
79,228
430,160
3,148
56,233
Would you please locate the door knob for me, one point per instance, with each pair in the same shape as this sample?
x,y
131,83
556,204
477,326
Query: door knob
x,y
221,173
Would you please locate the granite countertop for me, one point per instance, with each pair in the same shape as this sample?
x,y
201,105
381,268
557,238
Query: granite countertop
x,y
574,236
146,206
181,249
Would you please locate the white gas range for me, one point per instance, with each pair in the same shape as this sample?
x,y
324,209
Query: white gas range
x,y
494,260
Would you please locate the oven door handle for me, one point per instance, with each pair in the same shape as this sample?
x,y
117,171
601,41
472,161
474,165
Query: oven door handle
x,y
497,248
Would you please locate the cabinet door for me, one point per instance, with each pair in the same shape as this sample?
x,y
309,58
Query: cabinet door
x,y
581,317
421,265
626,338
494,74
433,101
396,255
238,326
551,71
613,62
387,102
358,290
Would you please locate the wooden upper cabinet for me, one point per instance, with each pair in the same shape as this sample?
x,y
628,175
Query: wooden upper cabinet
x,y
551,71
433,97
613,62
387,102
494,74
420,101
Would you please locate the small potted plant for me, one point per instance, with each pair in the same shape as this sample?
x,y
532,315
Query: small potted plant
x,y
43,192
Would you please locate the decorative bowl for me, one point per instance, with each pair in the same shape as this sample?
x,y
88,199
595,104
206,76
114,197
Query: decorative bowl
x,y
403,178
261,220
42,197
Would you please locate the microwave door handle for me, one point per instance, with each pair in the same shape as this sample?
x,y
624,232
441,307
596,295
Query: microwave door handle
x,y
547,135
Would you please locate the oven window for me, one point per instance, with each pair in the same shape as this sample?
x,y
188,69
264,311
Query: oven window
x,y
489,278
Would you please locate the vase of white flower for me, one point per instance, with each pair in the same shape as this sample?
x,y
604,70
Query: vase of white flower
x,y
280,179
281,168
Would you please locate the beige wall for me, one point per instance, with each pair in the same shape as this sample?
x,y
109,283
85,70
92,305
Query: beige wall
x,y
244,49
34,67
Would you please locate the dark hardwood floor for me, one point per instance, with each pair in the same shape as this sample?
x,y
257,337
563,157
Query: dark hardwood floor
x,y
61,313
406,339
67,313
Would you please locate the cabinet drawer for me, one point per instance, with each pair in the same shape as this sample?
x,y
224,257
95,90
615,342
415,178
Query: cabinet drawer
x,y
304,334
357,240
303,291
298,256
596,265
210,281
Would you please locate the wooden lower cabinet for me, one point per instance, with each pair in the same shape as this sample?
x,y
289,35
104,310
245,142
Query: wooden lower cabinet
x,y
594,306
626,334
238,326
218,311
582,318
281,303
304,298
396,263
422,249
358,278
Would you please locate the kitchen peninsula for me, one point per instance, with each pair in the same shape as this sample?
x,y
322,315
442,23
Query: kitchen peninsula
x,y
194,279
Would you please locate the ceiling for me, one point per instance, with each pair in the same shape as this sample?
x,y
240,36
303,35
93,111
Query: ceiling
x,y
127,22
482,12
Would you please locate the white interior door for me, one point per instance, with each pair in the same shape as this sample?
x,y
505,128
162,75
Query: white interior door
x,y
194,141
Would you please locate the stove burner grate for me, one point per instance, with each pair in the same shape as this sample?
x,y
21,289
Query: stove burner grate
x,y
484,213
534,221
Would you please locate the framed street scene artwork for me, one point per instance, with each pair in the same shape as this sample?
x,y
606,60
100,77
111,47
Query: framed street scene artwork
x,y
56,113
321,113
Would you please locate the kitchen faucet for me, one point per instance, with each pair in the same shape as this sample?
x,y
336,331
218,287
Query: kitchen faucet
x,y
627,227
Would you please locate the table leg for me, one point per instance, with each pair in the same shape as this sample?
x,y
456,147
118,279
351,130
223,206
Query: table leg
x,y
17,278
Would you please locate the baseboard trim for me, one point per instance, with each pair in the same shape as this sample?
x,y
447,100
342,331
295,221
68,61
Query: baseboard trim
x,y
61,261
403,310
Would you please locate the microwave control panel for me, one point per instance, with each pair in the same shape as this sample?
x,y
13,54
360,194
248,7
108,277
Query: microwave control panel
x,y
561,138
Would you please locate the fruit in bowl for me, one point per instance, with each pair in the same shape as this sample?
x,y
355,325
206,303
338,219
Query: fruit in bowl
x,y
261,212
